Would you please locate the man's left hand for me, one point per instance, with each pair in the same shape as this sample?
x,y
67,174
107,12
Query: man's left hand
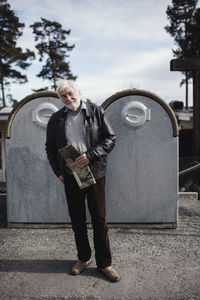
x,y
82,161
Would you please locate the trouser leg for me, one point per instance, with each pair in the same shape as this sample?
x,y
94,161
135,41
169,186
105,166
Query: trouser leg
x,y
97,208
77,213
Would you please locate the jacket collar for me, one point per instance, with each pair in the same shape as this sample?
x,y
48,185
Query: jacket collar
x,y
89,110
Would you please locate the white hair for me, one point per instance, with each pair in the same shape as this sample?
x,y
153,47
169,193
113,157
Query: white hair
x,y
66,84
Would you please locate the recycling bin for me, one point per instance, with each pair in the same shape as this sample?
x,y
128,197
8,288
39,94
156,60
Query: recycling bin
x,y
142,171
34,194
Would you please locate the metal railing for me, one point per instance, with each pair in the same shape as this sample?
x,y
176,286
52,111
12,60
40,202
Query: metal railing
x,y
188,162
189,174
190,170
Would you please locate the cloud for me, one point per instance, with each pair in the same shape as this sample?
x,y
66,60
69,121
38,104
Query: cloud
x,y
100,88
118,45
133,20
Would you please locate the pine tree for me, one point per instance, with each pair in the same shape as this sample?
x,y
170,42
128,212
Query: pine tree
x,y
194,35
53,48
12,57
181,16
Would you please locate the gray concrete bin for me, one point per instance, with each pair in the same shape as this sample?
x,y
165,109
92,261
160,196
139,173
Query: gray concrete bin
x,y
34,194
142,181
142,173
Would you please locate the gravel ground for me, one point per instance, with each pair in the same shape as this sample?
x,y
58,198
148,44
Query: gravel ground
x,y
153,263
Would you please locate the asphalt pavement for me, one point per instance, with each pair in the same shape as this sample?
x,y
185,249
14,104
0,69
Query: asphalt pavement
x,y
153,263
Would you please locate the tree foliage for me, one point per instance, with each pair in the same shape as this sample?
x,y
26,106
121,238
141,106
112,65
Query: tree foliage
x,y
194,35
53,48
182,24
12,57
184,28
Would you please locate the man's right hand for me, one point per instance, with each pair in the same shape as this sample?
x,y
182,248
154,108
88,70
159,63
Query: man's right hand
x,y
61,179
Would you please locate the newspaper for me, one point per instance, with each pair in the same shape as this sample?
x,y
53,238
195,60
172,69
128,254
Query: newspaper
x,y
83,176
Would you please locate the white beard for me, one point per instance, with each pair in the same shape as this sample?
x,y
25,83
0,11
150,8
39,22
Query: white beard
x,y
73,106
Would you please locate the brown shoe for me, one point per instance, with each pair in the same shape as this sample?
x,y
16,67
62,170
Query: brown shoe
x,y
110,273
80,266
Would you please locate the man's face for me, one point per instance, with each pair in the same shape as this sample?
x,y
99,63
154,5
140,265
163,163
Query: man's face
x,y
71,98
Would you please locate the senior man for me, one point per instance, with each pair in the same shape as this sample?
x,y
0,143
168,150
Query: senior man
x,y
84,125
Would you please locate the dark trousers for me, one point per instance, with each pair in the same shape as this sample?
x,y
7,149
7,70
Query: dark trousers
x,y
95,195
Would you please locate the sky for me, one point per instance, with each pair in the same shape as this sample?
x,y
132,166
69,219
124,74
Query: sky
x,y
118,45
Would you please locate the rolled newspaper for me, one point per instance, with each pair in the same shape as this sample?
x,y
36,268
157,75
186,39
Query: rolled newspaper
x,y
83,176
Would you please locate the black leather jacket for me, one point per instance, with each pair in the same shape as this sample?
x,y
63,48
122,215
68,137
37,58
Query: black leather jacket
x,y
100,139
